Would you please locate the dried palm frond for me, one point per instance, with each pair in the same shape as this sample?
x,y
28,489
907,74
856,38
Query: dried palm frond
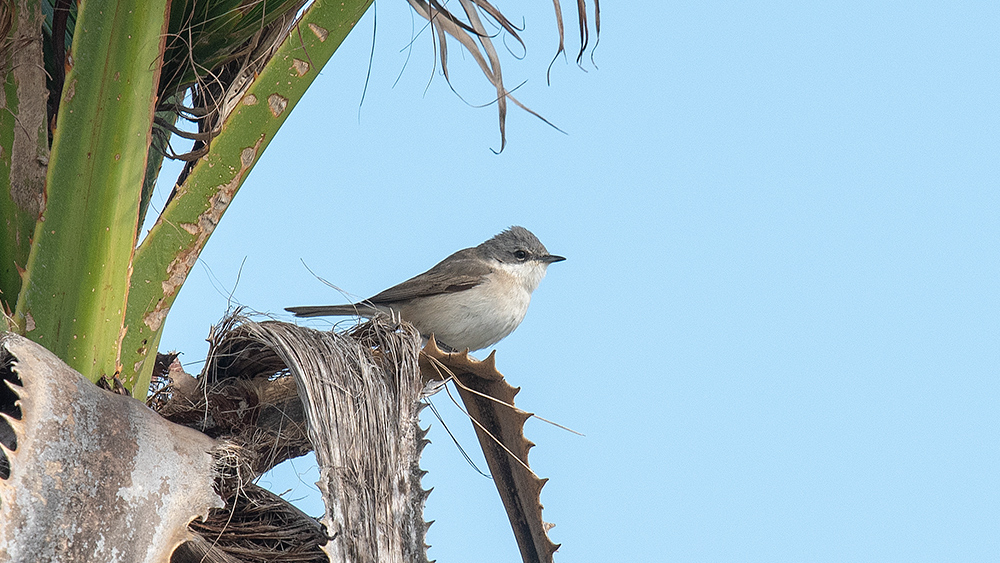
x,y
256,526
243,397
478,42
214,50
357,398
361,398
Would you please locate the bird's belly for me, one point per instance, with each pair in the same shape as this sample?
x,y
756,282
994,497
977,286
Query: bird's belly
x,y
475,318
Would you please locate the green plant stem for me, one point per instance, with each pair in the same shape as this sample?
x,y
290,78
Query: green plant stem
x,y
76,284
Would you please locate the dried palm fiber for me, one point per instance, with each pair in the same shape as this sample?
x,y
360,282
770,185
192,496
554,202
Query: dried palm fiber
x,y
472,34
244,396
360,397
256,526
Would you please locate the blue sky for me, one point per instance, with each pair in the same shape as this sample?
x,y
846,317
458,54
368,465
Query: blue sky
x,y
778,325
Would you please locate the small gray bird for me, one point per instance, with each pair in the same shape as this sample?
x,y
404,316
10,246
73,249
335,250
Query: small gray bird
x,y
471,299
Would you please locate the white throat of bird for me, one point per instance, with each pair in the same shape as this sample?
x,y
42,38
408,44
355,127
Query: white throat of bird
x,y
528,274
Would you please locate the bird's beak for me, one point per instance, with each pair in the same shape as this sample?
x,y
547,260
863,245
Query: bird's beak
x,y
550,258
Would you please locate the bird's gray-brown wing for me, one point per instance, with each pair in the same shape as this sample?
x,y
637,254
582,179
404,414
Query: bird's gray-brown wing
x,y
461,271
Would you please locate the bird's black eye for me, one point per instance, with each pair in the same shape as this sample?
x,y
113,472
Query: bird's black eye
x,y
520,255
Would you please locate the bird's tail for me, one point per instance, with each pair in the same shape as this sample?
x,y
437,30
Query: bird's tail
x,y
359,309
